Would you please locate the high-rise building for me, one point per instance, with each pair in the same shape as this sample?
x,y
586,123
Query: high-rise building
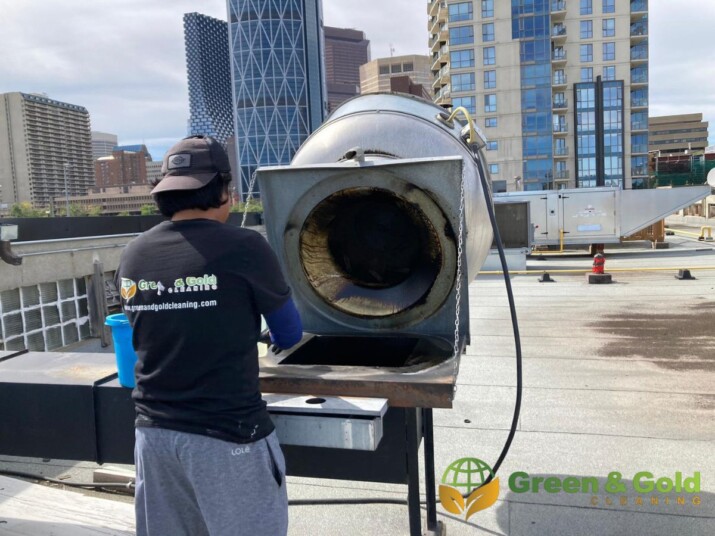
x,y
102,144
153,171
45,149
375,75
278,79
560,87
122,168
345,51
672,134
208,65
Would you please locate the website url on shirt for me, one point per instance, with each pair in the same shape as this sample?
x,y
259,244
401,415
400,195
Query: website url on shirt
x,y
171,306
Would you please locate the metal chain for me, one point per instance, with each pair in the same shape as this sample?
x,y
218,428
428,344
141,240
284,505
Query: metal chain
x,y
458,286
251,184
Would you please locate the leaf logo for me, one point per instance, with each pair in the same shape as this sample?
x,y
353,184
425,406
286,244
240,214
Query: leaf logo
x,y
451,499
128,289
471,475
482,497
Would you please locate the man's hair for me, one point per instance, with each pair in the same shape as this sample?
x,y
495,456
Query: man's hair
x,y
213,195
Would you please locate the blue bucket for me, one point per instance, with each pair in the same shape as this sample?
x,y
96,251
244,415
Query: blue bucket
x,y
123,349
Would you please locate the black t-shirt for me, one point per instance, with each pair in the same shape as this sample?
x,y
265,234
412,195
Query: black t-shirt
x,y
194,291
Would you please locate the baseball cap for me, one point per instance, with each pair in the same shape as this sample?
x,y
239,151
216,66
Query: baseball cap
x,y
191,164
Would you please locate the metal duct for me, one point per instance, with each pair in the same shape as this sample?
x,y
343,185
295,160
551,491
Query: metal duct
x,y
366,219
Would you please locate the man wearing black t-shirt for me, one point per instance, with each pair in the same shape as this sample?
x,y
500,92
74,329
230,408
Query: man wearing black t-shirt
x,y
207,458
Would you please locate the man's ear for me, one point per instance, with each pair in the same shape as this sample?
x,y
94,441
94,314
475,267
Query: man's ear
x,y
225,196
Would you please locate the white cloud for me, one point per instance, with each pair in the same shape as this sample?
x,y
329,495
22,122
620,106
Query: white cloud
x,y
682,77
400,24
125,60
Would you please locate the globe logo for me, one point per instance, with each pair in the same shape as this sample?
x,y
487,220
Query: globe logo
x,y
467,477
466,474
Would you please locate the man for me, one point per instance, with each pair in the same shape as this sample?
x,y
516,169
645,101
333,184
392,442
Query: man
x,y
207,458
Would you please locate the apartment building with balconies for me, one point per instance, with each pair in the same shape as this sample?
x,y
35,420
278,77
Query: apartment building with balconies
x,y
45,149
559,87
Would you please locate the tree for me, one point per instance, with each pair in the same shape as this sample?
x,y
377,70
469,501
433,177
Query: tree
x,y
148,210
77,210
26,210
254,205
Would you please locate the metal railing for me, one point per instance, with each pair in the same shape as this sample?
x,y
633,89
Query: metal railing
x,y
639,77
639,29
559,80
558,55
558,5
444,92
561,151
561,103
639,5
438,55
561,127
639,53
558,30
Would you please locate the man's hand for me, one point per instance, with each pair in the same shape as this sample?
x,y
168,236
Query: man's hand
x,y
285,326
265,337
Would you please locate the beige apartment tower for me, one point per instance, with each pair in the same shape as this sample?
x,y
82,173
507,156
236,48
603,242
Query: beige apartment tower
x,y
559,87
375,75
44,145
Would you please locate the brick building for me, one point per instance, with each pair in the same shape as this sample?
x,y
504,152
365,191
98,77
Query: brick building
x,y
123,168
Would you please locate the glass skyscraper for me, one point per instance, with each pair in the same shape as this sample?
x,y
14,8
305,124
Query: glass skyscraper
x,y
599,133
530,26
278,79
208,64
560,87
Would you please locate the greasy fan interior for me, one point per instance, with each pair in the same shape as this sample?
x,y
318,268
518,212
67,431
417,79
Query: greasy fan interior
x,y
369,252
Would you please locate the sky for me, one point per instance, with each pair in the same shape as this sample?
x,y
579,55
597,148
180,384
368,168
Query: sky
x,y
124,60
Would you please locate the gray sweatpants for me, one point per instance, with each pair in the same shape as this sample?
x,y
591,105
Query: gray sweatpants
x,y
193,485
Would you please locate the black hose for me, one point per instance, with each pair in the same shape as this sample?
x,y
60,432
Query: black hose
x,y
21,474
514,322
365,500
130,486
376,500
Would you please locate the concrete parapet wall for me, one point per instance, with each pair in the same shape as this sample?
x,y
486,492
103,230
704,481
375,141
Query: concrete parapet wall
x,y
52,260
695,221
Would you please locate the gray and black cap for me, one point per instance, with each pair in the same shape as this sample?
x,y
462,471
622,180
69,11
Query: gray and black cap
x,y
191,164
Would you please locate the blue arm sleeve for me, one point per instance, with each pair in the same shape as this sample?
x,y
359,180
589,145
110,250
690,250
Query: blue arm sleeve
x,y
285,325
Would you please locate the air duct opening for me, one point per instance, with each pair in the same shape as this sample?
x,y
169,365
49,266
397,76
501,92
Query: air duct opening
x,y
370,252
